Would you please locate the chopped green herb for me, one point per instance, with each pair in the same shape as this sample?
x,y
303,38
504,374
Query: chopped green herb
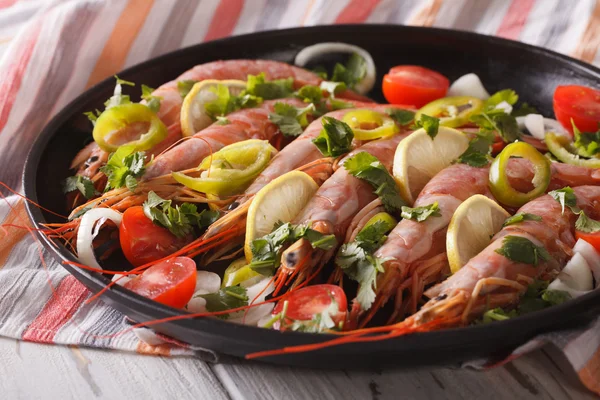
x,y
497,121
222,121
333,87
524,109
335,138
586,224
153,102
420,214
520,217
555,297
352,73
566,197
336,104
180,219
321,72
226,103
118,98
587,144
310,94
401,117
368,168
507,95
358,263
268,90
523,250
227,298
81,183
80,213
430,124
123,167
478,153
266,251
290,120
93,115
320,322
185,86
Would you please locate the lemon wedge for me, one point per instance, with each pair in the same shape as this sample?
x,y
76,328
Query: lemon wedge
x,y
240,273
418,158
471,228
280,200
193,113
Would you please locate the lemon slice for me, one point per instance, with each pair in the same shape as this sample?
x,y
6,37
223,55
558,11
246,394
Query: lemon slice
x,y
418,158
280,200
193,114
231,169
473,224
239,273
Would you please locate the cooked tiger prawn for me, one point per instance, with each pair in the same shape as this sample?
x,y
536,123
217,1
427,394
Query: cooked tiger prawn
x,y
416,251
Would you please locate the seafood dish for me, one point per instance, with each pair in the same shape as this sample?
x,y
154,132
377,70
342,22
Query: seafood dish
x,y
282,197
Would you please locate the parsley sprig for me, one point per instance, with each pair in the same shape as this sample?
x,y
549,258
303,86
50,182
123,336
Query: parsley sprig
x,y
587,144
522,250
520,217
335,138
567,198
266,251
368,168
227,298
124,167
430,124
478,152
420,214
81,183
179,219
291,120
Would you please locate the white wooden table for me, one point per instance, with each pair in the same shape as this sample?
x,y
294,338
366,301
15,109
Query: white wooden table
x,y
33,371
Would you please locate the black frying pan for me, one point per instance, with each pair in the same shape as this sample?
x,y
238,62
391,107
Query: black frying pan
x,y
533,72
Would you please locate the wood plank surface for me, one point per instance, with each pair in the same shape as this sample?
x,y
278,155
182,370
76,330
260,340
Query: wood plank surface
x,y
32,371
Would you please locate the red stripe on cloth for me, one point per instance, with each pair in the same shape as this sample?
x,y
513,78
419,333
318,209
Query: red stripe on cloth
x,y
225,19
514,20
356,11
14,76
67,298
7,3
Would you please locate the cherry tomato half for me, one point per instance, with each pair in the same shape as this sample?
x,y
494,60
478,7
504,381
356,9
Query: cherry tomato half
x,y
171,282
411,84
591,238
142,241
580,103
305,303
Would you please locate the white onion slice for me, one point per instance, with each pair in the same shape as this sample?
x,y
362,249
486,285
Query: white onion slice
x,y
591,256
504,106
122,279
532,123
468,85
208,281
558,284
577,274
256,294
86,233
311,52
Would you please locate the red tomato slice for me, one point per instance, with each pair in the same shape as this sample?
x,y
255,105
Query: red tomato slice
x,y
580,103
591,238
142,241
171,282
411,84
305,303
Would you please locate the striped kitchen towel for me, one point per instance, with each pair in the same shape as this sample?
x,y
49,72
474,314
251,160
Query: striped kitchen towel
x,y
51,51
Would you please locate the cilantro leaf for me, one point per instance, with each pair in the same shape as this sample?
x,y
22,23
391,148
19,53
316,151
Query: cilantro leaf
x,y
368,168
118,98
335,138
290,120
497,314
586,224
555,297
351,73
333,87
93,115
337,104
401,117
497,121
372,237
478,152
420,214
266,251
268,90
430,124
310,94
587,144
507,95
520,217
524,109
226,298
81,183
566,197
179,220
124,163
226,103
153,102
523,250
185,86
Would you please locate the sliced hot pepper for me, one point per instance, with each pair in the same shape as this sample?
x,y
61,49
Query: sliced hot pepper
x,y
369,125
562,148
499,183
131,123
231,169
452,111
